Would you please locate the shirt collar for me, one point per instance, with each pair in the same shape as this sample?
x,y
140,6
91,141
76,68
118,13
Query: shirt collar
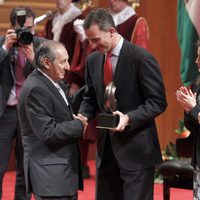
x,y
117,49
53,82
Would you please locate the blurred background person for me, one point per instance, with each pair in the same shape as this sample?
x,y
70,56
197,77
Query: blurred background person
x,y
130,25
189,99
17,52
60,26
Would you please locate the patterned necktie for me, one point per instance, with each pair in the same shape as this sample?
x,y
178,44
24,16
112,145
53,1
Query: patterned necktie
x,y
19,71
108,74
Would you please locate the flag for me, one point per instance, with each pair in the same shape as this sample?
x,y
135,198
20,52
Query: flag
x,y
188,34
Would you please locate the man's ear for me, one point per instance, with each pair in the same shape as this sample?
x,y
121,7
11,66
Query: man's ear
x,y
46,62
112,31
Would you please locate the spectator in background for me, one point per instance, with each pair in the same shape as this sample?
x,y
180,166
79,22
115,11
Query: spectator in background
x,y
60,27
16,62
131,26
189,99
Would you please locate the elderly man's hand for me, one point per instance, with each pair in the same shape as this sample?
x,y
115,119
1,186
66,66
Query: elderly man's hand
x,y
83,119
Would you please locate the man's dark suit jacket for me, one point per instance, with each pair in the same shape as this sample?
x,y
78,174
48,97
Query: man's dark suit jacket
x,y
50,139
7,71
140,94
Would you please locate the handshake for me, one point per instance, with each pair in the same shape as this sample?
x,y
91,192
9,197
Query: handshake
x,y
83,119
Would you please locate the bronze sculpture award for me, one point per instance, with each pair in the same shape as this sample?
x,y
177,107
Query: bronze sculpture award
x,y
108,120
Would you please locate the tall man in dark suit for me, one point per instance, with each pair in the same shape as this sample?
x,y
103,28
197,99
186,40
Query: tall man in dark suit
x,y
12,76
127,154
50,131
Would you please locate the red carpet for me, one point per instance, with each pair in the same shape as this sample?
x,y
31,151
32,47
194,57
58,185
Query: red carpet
x,y
89,184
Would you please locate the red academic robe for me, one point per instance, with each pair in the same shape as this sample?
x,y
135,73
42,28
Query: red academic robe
x,y
67,37
135,30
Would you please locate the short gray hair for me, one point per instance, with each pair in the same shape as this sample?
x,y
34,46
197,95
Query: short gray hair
x,y
46,50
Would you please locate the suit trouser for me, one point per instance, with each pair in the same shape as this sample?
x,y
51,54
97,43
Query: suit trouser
x,y
114,183
9,129
73,197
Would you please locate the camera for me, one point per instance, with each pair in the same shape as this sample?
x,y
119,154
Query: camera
x,y
24,35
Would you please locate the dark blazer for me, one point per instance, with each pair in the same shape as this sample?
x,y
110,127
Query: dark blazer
x,y
7,71
140,94
50,139
192,124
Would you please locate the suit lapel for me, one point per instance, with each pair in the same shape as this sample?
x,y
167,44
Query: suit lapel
x,y
122,63
65,89
98,77
53,90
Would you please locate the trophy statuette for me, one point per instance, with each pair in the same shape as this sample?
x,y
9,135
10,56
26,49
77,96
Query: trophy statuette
x,y
108,120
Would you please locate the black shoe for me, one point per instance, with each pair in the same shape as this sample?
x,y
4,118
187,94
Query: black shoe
x,y
86,172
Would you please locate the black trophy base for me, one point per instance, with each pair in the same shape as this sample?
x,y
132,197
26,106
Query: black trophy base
x,y
107,121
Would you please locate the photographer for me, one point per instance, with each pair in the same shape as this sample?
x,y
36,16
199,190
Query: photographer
x,y
17,52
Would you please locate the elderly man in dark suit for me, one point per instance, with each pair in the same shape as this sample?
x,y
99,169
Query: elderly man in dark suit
x,y
50,131
127,154
16,62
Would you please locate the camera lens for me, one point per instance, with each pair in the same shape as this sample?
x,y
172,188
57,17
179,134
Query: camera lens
x,y
25,37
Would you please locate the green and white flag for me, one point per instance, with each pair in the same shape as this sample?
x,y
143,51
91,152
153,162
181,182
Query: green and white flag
x,y
188,35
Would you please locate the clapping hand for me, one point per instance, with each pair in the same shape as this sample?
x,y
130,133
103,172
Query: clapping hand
x,y
186,98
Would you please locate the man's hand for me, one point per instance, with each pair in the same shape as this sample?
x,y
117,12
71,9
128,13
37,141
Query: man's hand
x,y
28,51
83,119
186,98
81,116
10,39
123,121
